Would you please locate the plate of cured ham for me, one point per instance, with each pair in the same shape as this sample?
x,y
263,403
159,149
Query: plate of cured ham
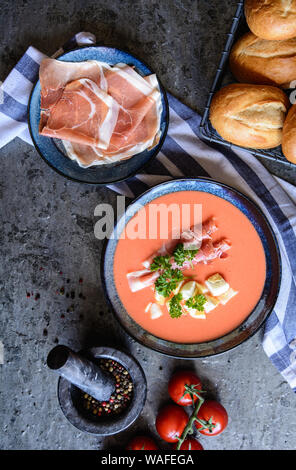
x,y
195,268
97,114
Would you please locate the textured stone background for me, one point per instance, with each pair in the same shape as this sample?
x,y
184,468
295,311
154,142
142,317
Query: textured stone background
x,y
47,222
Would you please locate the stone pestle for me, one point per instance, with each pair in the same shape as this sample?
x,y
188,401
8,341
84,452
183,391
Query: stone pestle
x,y
81,372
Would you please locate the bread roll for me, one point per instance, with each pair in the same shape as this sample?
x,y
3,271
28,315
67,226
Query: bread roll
x,y
271,19
251,116
289,136
256,60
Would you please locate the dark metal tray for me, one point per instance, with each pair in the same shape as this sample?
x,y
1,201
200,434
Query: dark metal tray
x,y
224,77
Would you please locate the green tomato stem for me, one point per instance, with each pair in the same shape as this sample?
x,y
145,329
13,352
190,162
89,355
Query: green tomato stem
x,y
189,427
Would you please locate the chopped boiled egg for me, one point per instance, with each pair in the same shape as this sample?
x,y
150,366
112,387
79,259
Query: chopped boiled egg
x,y
160,299
179,285
155,311
201,288
224,298
188,290
196,313
210,304
217,285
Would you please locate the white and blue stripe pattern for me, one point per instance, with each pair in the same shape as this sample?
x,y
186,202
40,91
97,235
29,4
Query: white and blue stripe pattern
x,y
185,154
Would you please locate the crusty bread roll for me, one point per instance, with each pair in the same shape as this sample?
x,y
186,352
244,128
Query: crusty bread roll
x,y
256,60
271,19
289,135
251,116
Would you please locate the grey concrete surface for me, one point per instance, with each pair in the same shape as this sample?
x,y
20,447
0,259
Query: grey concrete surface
x,y
47,222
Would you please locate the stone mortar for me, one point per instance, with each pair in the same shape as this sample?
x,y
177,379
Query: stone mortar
x,y
110,425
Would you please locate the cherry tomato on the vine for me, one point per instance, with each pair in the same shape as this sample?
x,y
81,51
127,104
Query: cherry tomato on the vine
x,y
177,387
190,444
170,422
212,412
142,443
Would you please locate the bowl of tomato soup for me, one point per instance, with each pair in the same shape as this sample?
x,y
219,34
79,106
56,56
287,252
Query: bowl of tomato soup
x,y
192,269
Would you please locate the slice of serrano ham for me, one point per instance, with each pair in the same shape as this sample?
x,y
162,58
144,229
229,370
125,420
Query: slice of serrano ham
x,y
102,113
191,238
84,114
208,252
138,280
55,75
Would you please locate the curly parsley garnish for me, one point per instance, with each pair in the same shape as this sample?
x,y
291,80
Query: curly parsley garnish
x,y
181,255
160,262
197,302
168,281
175,308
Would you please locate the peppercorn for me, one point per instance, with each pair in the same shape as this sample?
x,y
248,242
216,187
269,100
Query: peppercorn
x,y
121,397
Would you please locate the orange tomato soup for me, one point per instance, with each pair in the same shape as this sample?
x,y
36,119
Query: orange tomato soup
x,y
244,269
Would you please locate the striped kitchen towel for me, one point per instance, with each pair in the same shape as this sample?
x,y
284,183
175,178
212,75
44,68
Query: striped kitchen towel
x,y
185,154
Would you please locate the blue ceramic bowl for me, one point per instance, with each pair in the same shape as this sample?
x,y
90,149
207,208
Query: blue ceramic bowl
x,y
54,155
256,318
